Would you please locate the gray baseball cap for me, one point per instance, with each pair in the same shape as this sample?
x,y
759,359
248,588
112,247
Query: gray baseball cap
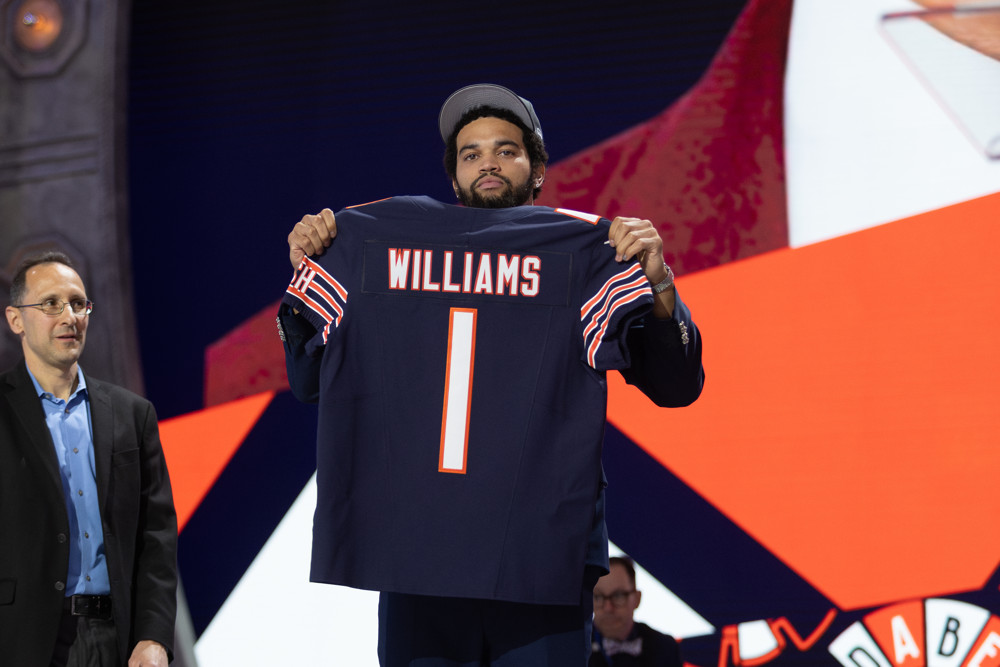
x,y
485,94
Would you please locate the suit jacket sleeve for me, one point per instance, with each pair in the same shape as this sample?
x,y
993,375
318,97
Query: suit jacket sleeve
x,y
301,366
664,367
155,574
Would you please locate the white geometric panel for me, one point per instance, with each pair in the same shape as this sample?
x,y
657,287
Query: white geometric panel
x,y
865,141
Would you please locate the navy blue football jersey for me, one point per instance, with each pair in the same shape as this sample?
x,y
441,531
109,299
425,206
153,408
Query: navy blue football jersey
x,y
462,395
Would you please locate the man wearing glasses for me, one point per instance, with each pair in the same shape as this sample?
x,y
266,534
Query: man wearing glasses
x,y
618,640
88,564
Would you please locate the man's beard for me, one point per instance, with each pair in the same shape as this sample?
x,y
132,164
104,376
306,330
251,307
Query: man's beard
x,y
510,196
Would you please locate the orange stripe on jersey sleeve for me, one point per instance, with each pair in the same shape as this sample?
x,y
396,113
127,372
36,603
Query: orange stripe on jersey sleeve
x,y
586,217
595,345
327,276
624,275
368,202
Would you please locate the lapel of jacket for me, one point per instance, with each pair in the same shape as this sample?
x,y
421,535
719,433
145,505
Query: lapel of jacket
x,y
28,412
102,417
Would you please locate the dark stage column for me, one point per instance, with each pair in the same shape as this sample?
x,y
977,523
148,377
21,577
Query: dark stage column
x,y
62,163
63,69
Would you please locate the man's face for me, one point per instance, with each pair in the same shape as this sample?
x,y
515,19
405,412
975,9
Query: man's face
x,y
493,170
612,620
54,342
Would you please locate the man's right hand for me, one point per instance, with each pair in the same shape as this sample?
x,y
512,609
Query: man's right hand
x,y
311,236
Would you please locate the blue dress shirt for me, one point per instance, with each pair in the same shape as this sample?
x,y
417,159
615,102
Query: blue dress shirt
x,y
73,437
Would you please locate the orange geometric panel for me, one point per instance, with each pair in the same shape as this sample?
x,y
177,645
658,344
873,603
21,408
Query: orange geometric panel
x,y
198,445
850,416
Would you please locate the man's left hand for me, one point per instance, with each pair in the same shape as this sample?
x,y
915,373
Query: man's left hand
x,y
148,653
633,237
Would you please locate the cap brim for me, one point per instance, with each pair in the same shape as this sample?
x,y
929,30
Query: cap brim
x,y
484,94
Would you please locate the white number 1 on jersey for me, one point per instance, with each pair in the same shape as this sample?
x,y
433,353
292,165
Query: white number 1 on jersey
x,y
458,390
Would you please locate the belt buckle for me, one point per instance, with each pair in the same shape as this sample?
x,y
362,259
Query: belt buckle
x,y
96,606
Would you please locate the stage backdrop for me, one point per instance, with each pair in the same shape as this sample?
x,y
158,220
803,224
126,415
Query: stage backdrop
x,y
829,498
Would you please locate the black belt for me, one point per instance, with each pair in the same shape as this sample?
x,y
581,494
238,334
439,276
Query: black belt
x,y
94,606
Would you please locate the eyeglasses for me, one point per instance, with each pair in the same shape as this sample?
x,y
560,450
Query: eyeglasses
x,y
55,307
617,598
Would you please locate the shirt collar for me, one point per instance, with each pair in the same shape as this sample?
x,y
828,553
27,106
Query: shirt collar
x,y
81,385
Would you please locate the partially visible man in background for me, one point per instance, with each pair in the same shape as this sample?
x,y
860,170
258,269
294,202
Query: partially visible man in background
x,y
88,568
618,640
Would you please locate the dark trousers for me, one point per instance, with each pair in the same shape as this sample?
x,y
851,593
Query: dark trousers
x,y
426,631
86,642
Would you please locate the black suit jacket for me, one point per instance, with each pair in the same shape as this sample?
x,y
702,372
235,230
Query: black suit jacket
x,y
137,513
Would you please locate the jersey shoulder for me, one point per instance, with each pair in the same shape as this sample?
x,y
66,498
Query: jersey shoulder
x,y
398,203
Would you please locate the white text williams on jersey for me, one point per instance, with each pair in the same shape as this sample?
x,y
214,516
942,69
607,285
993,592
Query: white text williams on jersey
x,y
465,272
538,277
